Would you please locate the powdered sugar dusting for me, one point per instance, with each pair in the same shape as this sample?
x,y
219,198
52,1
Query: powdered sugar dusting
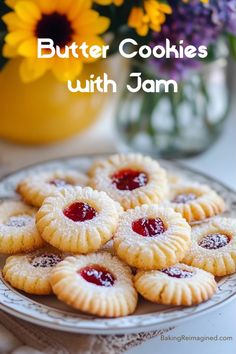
x,y
19,221
175,272
184,198
46,260
214,241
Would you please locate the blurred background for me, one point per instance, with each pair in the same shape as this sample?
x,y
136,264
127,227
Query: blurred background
x,y
41,120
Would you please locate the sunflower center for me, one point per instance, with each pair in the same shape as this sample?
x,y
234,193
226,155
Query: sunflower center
x,y
56,27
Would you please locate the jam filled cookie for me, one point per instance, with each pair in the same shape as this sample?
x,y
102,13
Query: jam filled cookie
x,y
78,220
130,179
214,247
177,285
195,202
35,188
99,284
30,272
152,237
18,232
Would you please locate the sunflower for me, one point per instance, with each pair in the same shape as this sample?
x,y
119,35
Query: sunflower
x,y
63,21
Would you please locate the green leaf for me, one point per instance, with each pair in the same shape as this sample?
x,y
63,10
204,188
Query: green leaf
x,y
232,44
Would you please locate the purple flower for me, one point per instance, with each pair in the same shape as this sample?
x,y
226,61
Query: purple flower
x,y
196,24
224,13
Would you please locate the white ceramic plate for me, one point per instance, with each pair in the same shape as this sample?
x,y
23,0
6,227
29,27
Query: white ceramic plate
x,y
49,312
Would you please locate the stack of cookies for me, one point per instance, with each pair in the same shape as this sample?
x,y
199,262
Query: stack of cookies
x,y
127,227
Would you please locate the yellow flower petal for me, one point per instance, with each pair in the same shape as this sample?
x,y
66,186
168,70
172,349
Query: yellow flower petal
x,y
16,37
109,2
165,8
85,18
135,17
90,22
11,3
139,20
32,69
28,48
47,6
77,7
66,69
104,2
155,27
143,30
14,23
63,6
9,51
118,2
28,12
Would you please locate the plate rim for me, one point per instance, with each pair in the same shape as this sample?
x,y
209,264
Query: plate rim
x,y
106,330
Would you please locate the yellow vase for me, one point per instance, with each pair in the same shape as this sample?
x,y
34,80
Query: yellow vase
x,y
45,111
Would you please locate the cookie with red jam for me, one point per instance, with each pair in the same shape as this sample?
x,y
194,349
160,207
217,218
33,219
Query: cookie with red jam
x,y
35,188
18,232
30,272
131,179
196,202
99,284
152,237
78,220
214,247
176,285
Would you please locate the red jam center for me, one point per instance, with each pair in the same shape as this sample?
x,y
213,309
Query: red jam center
x,y
80,212
19,221
149,227
128,180
184,198
59,183
46,260
175,272
97,275
214,241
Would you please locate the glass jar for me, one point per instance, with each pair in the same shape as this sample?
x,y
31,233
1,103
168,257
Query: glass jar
x,y
175,125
